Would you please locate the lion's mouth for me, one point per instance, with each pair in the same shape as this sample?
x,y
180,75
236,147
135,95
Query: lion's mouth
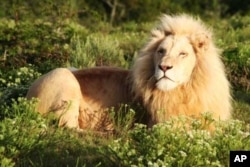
x,y
166,77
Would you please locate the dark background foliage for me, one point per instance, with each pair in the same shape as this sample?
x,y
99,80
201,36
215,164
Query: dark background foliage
x,y
118,11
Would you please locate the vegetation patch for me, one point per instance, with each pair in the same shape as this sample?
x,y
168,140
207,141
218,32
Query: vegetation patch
x,y
84,34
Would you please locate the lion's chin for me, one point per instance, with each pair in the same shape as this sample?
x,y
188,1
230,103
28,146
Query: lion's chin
x,y
165,84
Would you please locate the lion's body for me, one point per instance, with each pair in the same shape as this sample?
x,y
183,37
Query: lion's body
x,y
58,91
81,98
178,72
102,88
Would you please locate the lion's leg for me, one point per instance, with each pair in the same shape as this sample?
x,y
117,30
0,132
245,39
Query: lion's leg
x,y
58,91
68,112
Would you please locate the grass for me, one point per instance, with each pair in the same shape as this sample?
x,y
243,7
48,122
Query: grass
x,y
31,140
99,49
28,139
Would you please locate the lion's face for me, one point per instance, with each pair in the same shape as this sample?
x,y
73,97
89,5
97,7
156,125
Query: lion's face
x,y
174,61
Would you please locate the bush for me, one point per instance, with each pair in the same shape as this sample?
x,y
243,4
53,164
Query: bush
x,y
27,139
236,50
96,50
25,43
15,83
105,50
164,145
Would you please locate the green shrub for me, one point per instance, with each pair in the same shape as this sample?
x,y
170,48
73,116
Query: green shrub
x,y
15,83
18,136
43,44
27,139
164,145
236,51
96,50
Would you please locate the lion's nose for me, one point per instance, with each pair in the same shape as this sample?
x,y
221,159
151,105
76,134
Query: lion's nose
x,y
164,68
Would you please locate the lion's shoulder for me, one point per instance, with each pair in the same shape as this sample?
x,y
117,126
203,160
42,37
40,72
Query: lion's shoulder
x,y
102,72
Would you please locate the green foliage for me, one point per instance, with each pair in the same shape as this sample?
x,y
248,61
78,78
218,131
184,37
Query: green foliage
x,y
27,139
164,145
242,108
46,9
236,50
27,42
18,77
38,36
15,83
115,11
104,50
96,50
15,139
123,119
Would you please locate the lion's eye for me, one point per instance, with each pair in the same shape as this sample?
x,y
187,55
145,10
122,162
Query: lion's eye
x,y
183,54
161,51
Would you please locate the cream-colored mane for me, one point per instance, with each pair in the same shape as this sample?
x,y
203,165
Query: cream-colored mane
x,y
206,91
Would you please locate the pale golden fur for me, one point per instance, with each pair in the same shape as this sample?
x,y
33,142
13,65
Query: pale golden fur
x,y
89,93
82,98
206,91
58,91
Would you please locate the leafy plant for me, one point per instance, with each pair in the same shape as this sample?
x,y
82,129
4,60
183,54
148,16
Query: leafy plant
x,y
164,145
96,50
26,42
15,83
28,139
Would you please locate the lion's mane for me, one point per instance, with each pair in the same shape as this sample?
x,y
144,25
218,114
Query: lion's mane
x,y
208,90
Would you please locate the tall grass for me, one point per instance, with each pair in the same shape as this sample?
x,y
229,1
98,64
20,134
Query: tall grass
x,y
96,50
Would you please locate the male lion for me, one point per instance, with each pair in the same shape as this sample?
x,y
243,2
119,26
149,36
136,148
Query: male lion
x,y
178,72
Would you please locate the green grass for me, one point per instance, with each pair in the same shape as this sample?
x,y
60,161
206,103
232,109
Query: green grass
x,y
28,139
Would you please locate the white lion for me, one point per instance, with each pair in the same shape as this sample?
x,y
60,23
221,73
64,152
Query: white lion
x,y
177,72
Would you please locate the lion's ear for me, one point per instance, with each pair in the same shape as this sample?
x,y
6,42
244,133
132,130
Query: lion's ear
x,y
200,41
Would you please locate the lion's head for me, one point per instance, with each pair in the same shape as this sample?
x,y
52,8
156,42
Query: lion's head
x,y
174,62
179,71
